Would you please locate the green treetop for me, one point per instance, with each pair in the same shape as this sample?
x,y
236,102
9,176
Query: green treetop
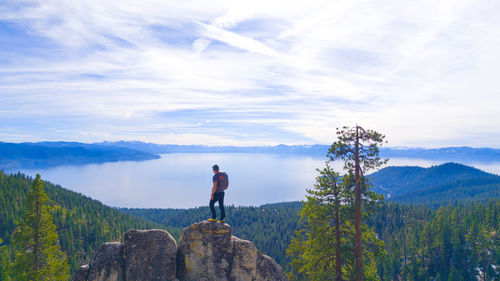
x,y
38,255
358,148
332,242
320,249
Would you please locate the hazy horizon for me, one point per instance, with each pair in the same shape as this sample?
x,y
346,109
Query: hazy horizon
x,y
257,145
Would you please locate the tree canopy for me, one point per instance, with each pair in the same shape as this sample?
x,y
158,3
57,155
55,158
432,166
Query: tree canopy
x,y
38,255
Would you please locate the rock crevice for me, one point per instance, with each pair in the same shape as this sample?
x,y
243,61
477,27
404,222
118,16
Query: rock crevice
x,y
207,251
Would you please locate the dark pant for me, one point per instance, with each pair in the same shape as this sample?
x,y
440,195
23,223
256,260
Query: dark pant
x,y
218,196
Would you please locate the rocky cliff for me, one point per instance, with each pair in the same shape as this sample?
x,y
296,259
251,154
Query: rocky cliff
x,y
206,252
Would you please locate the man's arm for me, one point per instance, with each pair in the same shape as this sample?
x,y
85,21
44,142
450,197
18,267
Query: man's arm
x,y
213,190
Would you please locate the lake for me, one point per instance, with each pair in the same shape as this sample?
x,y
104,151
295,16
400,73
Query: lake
x,y
183,180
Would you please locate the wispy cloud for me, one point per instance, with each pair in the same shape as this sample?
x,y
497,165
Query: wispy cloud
x,y
259,72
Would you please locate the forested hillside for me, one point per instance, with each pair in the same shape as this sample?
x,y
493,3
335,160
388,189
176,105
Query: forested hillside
x,y
436,186
458,243
82,223
455,242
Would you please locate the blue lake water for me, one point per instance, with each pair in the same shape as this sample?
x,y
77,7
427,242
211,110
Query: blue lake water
x,y
183,180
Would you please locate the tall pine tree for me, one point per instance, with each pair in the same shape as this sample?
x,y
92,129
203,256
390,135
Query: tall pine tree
x,y
358,148
38,255
323,247
320,249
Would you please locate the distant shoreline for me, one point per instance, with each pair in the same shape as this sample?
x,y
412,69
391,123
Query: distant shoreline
x,y
51,154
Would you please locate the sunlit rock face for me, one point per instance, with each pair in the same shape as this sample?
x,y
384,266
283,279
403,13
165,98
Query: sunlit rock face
x,y
206,252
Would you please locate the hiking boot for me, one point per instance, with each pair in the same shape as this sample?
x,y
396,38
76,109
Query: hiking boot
x,y
221,221
211,220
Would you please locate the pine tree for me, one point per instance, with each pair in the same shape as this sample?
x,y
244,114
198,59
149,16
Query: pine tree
x,y
323,247
320,248
37,251
358,148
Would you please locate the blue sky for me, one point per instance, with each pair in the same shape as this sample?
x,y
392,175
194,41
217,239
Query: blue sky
x,y
424,73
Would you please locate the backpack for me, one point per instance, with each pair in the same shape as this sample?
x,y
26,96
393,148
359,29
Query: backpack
x,y
224,181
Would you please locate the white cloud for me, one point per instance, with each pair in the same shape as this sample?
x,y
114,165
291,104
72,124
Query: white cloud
x,y
200,44
424,73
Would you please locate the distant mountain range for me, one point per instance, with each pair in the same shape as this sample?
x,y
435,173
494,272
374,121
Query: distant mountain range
x,y
437,185
456,154
48,154
319,150
312,150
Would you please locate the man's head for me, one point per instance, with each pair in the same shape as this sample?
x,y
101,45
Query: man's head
x,y
215,168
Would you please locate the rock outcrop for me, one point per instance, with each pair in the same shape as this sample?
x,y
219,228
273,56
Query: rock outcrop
x,y
207,252
150,255
244,260
107,263
268,269
82,273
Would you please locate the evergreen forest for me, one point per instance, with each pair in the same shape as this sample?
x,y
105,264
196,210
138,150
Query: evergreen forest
x,y
421,243
81,222
453,241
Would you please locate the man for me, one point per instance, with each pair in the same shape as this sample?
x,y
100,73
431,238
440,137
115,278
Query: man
x,y
218,194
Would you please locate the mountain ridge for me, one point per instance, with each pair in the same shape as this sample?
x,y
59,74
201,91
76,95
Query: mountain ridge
x,y
459,153
411,184
49,154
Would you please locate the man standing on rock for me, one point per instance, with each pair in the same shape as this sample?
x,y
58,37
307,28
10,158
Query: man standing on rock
x,y
221,183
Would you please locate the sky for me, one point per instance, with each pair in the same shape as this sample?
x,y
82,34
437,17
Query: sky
x,y
424,73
